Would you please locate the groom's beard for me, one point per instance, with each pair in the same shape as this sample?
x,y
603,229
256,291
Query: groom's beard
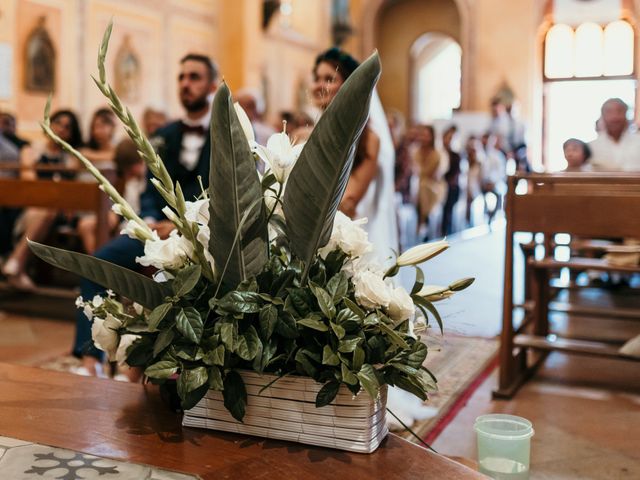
x,y
195,105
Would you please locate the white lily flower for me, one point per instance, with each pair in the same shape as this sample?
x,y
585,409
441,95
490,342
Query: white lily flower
x,y
280,155
421,253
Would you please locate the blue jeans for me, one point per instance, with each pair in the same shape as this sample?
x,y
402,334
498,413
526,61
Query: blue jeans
x,y
122,251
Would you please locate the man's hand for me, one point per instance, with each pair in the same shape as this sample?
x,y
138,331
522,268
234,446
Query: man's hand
x,y
164,228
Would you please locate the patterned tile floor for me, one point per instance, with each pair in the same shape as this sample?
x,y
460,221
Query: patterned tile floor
x,y
29,461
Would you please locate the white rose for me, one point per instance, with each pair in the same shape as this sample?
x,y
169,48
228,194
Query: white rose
x,y
400,305
198,211
125,342
105,335
88,311
349,236
370,289
79,302
171,253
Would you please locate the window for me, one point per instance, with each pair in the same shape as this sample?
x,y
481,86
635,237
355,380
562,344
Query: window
x,y
583,67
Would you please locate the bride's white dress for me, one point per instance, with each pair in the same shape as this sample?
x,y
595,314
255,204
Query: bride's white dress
x,y
378,202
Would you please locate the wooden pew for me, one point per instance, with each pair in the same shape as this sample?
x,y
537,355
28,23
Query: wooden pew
x,y
61,195
588,205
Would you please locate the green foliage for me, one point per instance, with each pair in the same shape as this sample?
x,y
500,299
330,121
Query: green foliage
x,y
132,285
239,248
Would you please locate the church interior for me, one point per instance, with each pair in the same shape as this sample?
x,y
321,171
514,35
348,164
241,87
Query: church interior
x,y
503,134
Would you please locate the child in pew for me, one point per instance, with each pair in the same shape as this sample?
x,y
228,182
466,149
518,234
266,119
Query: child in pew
x,y
35,223
577,154
131,172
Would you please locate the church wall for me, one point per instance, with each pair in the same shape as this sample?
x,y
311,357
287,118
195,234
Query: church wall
x,y
158,32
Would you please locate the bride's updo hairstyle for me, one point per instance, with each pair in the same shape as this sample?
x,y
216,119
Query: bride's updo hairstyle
x,y
343,63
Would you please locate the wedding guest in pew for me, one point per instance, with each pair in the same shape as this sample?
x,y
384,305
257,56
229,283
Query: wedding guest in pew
x,y
36,223
577,154
131,172
184,147
10,146
8,127
617,147
100,147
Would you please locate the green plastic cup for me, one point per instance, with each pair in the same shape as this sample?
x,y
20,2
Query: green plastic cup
x,y
504,446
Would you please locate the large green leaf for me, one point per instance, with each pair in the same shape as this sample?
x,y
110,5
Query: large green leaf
x,y
125,282
318,180
234,191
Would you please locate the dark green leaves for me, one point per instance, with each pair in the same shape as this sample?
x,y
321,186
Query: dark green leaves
x,y
129,284
327,394
248,344
318,180
234,191
325,301
162,369
268,320
314,322
189,323
157,315
186,280
235,395
240,302
368,380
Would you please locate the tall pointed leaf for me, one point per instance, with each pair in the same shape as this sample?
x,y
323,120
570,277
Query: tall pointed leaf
x,y
318,180
123,281
234,190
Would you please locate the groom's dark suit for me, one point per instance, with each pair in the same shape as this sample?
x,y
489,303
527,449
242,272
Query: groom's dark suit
x,y
123,250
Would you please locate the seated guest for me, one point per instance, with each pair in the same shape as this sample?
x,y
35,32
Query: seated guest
x,y
616,148
38,221
184,147
493,181
577,154
427,161
8,130
152,120
131,171
10,146
100,149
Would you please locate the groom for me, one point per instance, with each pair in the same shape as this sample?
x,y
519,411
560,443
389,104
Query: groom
x,y
184,147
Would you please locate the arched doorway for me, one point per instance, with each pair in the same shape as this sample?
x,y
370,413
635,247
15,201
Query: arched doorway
x,y
436,71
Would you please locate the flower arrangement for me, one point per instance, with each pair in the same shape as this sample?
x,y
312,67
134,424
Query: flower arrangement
x,y
261,273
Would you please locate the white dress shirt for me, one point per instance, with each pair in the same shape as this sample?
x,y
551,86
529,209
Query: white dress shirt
x,y
192,143
609,155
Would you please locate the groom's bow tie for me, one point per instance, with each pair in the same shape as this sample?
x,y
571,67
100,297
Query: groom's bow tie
x,y
194,129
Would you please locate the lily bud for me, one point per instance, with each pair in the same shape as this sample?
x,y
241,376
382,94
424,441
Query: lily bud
x,y
421,253
461,284
433,293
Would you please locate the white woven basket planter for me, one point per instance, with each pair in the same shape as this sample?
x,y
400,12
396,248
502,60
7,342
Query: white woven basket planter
x,y
286,411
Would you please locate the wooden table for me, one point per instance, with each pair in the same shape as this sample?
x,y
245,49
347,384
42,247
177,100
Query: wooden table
x,y
129,422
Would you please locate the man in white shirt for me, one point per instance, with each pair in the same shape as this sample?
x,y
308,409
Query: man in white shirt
x,y
616,148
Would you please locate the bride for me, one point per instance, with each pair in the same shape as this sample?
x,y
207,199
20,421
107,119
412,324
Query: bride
x,y
370,191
